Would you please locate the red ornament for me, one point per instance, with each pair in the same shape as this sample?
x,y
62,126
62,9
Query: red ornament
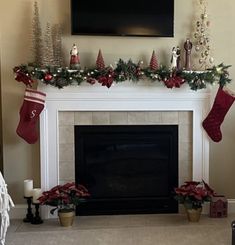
x,y
174,81
153,62
48,77
100,61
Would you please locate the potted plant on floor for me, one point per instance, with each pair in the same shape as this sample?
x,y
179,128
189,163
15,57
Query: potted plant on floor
x,y
192,194
64,198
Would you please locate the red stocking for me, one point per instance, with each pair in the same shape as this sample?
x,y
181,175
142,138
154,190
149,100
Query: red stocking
x,y
213,121
29,114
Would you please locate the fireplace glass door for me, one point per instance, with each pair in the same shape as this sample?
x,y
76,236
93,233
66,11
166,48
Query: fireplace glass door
x,y
128,169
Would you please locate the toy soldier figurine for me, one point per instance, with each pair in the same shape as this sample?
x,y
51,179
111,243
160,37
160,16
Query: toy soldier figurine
x,y
188,48
74,58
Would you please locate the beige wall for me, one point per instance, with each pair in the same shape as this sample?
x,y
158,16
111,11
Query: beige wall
x,y
21,160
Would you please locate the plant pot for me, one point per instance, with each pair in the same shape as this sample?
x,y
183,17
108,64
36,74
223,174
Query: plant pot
x,y
194,214
66,217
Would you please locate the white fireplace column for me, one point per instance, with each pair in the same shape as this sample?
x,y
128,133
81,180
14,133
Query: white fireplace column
x,y
120,97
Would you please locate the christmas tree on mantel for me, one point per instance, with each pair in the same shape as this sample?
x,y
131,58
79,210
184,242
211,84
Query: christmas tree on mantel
x,y
37,45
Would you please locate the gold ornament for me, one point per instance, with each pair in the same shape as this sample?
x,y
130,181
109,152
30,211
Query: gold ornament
x,y
211,60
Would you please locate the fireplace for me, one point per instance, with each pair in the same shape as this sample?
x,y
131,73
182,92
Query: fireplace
x,y
126,104
127,168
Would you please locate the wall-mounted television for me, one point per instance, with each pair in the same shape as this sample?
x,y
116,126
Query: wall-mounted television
x,y
123,18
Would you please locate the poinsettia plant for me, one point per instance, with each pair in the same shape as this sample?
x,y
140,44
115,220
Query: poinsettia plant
x,y
64,197
193,194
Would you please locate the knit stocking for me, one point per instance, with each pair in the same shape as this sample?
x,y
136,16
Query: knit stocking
x,y
213,121
29,114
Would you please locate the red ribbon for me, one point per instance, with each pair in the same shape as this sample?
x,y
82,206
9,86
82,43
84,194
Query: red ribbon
x,y
21,76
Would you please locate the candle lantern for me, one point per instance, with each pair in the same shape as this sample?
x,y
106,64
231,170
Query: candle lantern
x,y
218,206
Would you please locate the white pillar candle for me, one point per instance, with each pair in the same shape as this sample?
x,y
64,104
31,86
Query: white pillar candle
x,y
37,192
28,187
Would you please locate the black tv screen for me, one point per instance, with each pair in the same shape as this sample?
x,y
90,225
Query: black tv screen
x,y
123,17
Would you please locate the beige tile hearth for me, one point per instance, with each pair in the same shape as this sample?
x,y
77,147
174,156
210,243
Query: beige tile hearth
x,y
67,120
159,229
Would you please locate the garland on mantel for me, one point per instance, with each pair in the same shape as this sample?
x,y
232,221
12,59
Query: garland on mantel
x,y
63,76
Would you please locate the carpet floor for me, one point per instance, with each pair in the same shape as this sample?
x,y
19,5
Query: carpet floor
x,y
154,229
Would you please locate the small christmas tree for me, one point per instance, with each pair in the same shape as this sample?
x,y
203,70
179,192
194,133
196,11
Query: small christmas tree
x,y
37,45
48,55
100,61
202,39
57,45
153,62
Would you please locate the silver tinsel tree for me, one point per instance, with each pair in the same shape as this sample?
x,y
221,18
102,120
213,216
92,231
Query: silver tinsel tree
x,y
57,45
37,45
48,54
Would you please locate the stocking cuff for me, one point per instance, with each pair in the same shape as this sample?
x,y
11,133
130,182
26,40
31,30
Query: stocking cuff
x,y
34,96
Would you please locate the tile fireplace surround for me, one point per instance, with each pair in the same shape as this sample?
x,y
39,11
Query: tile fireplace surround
x,y
126,103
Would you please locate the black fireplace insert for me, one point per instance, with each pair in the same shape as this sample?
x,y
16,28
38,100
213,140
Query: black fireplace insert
x,y
128,169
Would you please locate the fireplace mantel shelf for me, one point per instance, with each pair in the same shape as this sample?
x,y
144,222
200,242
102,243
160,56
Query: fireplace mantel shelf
x,y
120,97
126,89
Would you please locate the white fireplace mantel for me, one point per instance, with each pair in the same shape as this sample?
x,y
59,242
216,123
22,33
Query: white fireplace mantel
x,y
120,97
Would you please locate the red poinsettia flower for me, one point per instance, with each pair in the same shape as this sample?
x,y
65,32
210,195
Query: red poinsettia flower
x,y
194,193
174,82
106,80
64,196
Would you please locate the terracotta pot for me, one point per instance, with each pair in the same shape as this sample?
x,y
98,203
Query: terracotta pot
x,y
66,217
193,214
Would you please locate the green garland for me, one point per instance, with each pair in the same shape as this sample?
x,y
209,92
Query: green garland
x,y
63,76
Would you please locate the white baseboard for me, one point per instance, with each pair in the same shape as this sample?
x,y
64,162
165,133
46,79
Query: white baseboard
x,y
231,206
20,210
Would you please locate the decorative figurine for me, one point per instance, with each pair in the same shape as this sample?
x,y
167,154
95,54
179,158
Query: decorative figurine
x,y
174,57
74,59
178,61
218,206
188,48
